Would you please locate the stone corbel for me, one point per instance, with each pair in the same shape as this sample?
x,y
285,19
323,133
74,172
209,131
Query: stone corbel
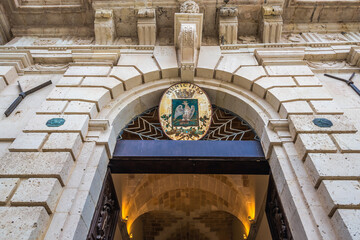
x,y
146,26
228,25
104,26
187,40
187,37
272,23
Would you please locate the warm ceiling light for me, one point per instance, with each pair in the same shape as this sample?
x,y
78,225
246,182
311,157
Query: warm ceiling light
x,y
125,219
245,237
251,220
131,235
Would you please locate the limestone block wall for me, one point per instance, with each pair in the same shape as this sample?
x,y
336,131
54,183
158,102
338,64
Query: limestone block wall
x,y
55,173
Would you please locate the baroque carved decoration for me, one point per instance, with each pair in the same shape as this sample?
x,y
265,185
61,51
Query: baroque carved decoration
x,y
106,212
327,64
228,12
146,13
189,7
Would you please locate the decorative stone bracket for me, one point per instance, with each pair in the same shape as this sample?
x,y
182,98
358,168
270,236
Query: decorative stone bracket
x,y
187,37
101,132
104,26
146,26
228,25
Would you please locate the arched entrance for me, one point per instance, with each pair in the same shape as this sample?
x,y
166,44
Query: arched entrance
x,y
256,112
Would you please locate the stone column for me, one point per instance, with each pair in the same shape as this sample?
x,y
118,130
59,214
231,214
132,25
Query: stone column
x,y
146,26
104,26
271,28
228,25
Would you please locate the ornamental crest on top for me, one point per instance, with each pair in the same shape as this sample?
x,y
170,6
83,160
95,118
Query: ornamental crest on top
x,y
185,112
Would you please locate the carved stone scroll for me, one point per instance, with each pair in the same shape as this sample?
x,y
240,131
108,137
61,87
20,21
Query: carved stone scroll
x,y
146,26
104,27
228,25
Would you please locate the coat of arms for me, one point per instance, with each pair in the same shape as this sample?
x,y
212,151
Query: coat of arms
x,y
185,112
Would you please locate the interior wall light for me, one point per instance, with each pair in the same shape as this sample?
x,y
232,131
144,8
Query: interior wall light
x,y
251,220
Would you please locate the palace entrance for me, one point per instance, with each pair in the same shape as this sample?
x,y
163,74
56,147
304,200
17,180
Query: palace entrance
x,y
216,188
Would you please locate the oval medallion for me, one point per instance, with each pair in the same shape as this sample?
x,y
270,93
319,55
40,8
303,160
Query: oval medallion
x,y
322,122
185,112
55,122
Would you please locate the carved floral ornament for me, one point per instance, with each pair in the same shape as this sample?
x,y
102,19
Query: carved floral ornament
x,y
189,7
228,11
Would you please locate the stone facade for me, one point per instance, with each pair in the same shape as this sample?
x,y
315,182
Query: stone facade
x,y
51,177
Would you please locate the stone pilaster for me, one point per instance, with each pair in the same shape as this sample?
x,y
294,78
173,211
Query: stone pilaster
x,y
272,23
146,26
104,26
228,25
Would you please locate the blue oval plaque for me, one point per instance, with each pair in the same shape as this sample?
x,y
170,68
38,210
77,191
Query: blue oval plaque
x,y
322,122
55,122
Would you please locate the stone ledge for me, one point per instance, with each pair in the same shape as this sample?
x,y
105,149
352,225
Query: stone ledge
x,y
95,71
325,166
339,194
99,96
7,187
23,223
348,142
347,222
314,143
39,164
304,124
38,192
64,142
73,123
28,142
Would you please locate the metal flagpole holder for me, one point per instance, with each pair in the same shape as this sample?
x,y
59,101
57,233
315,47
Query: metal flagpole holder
x,y
22,95
348,82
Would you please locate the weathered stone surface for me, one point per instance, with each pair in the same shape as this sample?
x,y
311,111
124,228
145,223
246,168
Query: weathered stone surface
x,y
145,63
96,71
74,228
77,107
7,186
245,76
339,194
38,192
64,142
289,70
100,96
308,81
73,123
275,96
69,82
304,124
2,83
8,73
208,58
307,143
28,142
39,164
52,107
129,75
56,226
348,142
113,85
263,84
326,107
298,107
347,222
83,205
230,63
325,166
23,223
166,58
